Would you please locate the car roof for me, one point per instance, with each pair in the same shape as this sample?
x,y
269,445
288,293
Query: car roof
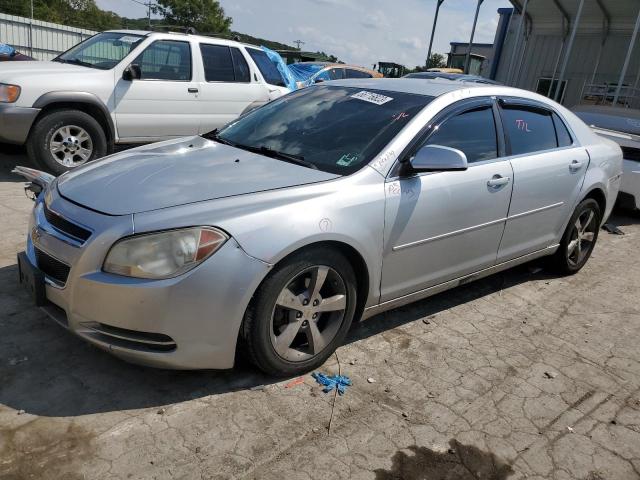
x,y
431,87
181,35
625,120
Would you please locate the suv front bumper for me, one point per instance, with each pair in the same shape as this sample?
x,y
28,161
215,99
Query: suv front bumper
x,y
16,122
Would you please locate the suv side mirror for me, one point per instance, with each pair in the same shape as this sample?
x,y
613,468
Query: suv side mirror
x,y
318,80
437,158
132,72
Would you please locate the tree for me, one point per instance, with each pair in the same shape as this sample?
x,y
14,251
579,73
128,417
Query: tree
x,y
206,16
436,61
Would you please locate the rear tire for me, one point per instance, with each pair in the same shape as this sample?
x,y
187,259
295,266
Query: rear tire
x,y
64,139
283,335
578,240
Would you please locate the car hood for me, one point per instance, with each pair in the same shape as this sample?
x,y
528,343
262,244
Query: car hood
x,y
178,172
34,67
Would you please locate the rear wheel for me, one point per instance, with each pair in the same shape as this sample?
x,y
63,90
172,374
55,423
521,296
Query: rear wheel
x,y
301,313
65,139
579,238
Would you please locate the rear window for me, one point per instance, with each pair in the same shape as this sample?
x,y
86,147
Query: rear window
x,y
267,68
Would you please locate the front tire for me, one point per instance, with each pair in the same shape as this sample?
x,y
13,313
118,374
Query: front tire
x,y
301,313
579,238
65,139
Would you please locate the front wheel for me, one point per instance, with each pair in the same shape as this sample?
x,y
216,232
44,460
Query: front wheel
x,y
579,238
301,313
65,139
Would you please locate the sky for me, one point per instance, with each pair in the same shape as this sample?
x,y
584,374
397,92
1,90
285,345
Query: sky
x,y
361,32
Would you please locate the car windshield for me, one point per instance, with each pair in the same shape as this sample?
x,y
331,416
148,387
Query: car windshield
x,y
102,51
335,129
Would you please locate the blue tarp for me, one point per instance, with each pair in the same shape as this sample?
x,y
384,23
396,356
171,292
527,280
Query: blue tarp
x,y
275,57
302,72
7,50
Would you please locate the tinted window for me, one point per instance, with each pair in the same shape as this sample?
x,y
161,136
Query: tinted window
x,y
529,130
473,132
166,60
357,74
267,67
336,73
218,65
240,66
564,137
337,129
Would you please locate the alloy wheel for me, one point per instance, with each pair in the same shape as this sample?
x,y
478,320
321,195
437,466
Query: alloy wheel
x,y
71,146
308,313
582,236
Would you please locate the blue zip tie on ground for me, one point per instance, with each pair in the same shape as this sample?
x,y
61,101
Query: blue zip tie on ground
x,y
340,382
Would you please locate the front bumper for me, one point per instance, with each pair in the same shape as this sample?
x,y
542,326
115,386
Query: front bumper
x,y
16,122
188,322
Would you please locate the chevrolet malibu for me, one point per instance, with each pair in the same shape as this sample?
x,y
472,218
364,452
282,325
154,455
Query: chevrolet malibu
x,y
333,203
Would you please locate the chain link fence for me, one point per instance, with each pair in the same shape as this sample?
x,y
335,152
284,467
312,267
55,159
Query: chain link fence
x,y
41,40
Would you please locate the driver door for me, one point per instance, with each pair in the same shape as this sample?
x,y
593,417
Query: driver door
x,y
164,102
443,225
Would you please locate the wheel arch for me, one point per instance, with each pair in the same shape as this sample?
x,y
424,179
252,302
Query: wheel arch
x,y
597,194
86,102
355,258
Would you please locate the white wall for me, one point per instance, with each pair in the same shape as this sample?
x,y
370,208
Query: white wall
x,y
45,41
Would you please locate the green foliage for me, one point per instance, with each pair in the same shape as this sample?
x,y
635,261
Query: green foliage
x,y
437,60
206,16
75,13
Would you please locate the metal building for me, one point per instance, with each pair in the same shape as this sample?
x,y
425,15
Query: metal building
x,y
576,51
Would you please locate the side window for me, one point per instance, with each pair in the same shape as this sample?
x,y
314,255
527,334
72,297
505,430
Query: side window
x,y
267,68
218,64
166,60
336,73
473,132
564,137
529,130
351,73
240,66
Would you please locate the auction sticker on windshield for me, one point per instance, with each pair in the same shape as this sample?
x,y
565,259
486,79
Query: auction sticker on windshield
x,y
372,97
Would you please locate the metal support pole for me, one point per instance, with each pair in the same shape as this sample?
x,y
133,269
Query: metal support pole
x,y
517,40
433,31
555,67
567,55
626,60
31,31
473,32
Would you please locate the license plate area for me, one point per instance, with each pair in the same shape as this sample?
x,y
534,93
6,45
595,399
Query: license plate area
x,y
32,279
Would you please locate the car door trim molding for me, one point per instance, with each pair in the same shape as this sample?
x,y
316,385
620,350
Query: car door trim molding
x,y
441,287
475,227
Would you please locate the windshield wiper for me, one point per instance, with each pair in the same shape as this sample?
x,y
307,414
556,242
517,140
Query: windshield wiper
x,y
287,157
74,61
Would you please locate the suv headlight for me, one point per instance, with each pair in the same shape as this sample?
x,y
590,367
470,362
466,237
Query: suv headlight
x,y
9,93
164,254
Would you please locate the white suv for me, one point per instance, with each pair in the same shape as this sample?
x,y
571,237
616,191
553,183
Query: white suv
x,y
121,87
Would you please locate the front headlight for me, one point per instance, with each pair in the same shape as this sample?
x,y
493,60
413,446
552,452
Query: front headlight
x,y
9,93
164,254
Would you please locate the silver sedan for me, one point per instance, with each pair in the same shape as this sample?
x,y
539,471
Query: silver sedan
x,y
333,203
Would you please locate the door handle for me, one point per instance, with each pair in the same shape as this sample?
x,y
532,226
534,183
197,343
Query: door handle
x,y
192,90
498,181
575,165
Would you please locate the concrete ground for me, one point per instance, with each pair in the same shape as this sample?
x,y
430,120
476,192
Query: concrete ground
x,y
520,375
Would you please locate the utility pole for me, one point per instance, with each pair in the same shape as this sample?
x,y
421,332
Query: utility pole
x,y
298,43
467,60
31,31
433,31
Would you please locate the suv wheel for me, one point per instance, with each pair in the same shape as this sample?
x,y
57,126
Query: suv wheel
x,y
64,139
579,238
301,313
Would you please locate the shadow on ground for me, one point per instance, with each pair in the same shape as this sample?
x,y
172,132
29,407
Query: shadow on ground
x,y
46,371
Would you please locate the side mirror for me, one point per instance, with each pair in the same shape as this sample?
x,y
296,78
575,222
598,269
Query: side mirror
x,y
437,158
132,72
318,80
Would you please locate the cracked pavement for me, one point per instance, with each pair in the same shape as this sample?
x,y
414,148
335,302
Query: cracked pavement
x,y
520,375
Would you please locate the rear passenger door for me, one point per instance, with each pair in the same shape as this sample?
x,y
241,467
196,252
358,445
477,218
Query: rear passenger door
x,y
228,86
163,103
548,170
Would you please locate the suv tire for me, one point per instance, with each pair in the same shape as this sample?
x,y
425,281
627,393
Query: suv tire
x,y
64,139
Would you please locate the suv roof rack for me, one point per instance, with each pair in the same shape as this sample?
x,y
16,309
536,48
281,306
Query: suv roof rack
x,y
193,31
